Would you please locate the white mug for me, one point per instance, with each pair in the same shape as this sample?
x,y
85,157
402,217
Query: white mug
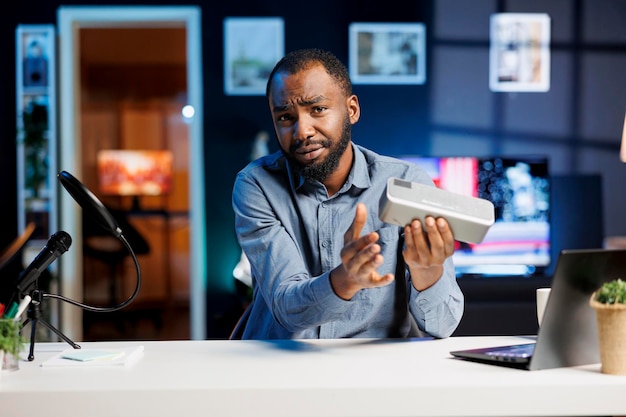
x,y
542,300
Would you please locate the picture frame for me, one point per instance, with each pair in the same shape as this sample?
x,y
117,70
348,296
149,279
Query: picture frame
x,y
252,46
387,53
519,55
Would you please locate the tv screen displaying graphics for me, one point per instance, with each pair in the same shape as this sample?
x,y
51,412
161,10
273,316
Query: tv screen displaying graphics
x,y
518,243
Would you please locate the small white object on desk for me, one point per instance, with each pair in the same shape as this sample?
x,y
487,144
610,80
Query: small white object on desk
x,y
542,300
95,357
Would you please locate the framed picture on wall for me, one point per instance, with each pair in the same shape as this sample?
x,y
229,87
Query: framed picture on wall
x,y
387,53
252,46
520,52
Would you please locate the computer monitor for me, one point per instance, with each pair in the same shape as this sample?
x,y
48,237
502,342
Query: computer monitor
x,y
134,172
518,243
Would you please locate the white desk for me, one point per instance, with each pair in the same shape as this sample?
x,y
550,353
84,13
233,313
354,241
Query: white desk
x,y
316,378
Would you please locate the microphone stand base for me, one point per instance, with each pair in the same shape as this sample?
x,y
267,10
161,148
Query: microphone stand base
x,y
34,317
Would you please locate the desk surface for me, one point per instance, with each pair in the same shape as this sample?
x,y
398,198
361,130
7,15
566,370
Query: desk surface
x,y
350,377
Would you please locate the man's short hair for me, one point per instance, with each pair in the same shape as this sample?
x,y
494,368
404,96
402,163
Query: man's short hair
x,y
301,59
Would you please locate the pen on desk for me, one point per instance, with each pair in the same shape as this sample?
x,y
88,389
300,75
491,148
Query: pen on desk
x,y
22,306
10,312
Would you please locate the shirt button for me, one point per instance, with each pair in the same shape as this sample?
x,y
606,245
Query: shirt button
x,y
325,244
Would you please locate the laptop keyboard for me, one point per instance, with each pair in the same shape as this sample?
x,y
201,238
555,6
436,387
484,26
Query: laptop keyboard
x,y
521,351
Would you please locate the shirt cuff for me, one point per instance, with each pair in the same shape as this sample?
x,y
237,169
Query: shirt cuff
x,y
325,295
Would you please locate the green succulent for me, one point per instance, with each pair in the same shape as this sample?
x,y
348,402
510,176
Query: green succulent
x,y
613,292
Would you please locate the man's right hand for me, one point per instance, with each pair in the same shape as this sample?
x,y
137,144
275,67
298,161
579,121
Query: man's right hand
x,y
360,257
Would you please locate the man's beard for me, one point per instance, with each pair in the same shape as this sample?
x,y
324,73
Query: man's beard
x,y
322,170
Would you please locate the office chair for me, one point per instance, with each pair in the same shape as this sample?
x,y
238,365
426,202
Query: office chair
x,y
237,332
100,245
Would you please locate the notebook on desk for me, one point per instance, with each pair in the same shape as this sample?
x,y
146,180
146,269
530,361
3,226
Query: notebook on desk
x,y
568,334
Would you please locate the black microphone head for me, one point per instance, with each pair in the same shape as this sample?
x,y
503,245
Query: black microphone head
x,y
56,246
89,202
60,241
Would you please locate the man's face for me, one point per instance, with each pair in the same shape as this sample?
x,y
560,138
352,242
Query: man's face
x,y
313,120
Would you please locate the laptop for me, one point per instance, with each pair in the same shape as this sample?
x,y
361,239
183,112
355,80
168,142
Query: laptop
x,y
568,334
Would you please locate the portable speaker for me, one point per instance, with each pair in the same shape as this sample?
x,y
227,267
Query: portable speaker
x,y
469,217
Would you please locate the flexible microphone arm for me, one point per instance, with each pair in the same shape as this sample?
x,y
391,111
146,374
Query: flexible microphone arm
x,y
107,309
96,210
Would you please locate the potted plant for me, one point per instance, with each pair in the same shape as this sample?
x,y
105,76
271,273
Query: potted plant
x,y
34,138
609,302
10,339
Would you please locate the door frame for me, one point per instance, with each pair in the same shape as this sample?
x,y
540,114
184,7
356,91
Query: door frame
x,y
70,19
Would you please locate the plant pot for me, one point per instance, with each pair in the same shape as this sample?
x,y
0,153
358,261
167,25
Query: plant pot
x,y
611,319
10,362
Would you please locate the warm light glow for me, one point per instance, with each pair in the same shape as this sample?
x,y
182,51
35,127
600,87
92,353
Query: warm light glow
x,y
623,151
134,172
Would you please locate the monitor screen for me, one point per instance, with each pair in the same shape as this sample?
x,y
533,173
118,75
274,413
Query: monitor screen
x,y
134,172
518,243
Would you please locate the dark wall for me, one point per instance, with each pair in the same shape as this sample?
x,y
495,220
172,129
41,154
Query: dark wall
x,y
417,119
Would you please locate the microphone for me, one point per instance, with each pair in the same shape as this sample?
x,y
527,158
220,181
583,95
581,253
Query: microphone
x,y
56,246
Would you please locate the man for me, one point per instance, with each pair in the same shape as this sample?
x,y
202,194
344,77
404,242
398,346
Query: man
x,y
323,263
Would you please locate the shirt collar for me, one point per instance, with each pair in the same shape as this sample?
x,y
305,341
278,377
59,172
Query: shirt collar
x,y
359,174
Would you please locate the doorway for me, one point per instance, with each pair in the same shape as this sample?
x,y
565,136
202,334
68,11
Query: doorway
x,y
159,119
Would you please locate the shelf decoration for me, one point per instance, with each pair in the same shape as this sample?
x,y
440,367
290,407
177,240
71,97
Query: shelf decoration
x,y
36,129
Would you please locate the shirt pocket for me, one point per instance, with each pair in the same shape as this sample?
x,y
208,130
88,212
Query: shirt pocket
x,y
388,241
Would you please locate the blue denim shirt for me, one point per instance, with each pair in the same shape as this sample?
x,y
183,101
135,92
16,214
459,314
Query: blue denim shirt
x,y
292,233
